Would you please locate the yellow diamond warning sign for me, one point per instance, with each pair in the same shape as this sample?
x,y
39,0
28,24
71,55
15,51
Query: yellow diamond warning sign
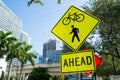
x,y
73,62
74,27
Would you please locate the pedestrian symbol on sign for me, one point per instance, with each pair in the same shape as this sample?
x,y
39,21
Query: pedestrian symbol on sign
x,y
74,27
75,32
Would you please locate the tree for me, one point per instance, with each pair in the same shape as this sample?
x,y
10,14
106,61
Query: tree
x,y
109,13
39,74
13,52
5,39
25,56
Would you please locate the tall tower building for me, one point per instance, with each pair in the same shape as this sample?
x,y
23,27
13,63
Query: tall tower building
x,y
51,50
49,46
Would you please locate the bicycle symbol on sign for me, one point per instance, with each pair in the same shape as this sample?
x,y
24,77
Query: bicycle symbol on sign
x,y
74,17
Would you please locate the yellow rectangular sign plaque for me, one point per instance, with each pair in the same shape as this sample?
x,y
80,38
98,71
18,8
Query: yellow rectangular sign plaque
x,y
74,62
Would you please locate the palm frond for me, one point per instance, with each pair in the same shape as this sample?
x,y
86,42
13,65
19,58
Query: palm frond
x,y
40,3
59,1
35,1
29,3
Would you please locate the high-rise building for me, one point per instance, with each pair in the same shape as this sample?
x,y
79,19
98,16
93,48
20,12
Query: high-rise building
x,y
54,56
10,22
25,37
41,59
49,46
51,51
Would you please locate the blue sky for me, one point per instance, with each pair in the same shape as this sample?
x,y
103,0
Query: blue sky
x,y
39,20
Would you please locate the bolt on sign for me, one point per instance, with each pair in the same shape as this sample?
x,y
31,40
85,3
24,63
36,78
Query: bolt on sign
x,y
73,62
74,27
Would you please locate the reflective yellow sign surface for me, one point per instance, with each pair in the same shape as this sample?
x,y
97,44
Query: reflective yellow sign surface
x,y
74,27
82,61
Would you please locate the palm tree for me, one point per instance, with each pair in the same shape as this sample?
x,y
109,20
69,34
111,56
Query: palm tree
x,y
13,52
5,39
26,56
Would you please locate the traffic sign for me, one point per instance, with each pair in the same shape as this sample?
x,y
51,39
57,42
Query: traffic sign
x,y
74,62
98,61
74,27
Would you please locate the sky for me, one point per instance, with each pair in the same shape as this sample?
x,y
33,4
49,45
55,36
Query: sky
x,y
39,20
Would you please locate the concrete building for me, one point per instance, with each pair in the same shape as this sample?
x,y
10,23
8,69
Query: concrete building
x,y
10,22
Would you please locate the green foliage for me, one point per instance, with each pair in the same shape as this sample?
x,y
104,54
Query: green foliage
x,y
12,77
39,74
35,1
25,56
59,1
39,2
13,50
2,76
105,72
60,77
106,78
5,39
109,13
8,47
106,68
17,77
